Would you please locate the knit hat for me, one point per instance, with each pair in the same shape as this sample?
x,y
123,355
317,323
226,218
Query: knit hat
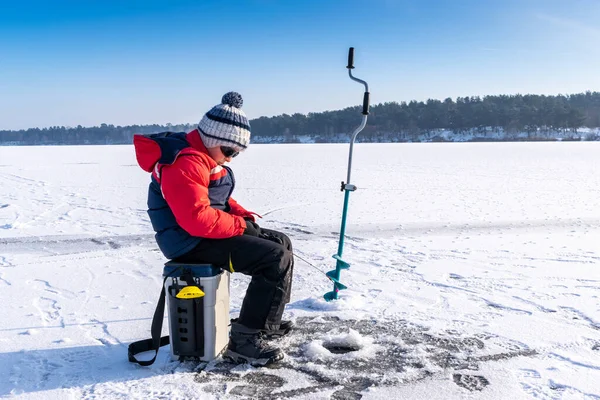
x,y
226,124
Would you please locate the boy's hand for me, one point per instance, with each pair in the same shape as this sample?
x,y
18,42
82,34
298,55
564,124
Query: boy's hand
x,y
252,228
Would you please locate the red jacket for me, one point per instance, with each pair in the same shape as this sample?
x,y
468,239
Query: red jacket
x,y
195,187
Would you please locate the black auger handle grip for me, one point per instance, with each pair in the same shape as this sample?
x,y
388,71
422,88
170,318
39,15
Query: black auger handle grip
x,y
351,58
366,104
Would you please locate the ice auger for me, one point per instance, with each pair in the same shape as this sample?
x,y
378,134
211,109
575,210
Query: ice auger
x,y
334,275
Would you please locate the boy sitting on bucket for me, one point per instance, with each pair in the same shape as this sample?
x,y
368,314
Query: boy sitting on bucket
x,y
197,221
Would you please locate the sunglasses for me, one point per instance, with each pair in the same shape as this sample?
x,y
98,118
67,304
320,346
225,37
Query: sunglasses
x,y
229,151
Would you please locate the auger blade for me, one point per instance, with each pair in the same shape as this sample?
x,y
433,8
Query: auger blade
x,y
337,286
330,296
336,282
331,275
341,263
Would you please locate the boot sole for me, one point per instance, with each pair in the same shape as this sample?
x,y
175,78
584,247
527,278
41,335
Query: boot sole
x,y
238,358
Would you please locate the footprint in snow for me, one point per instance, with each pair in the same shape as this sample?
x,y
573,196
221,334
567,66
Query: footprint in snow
x,y
471,382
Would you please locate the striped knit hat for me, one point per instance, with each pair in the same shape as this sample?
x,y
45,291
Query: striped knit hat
x,y
226,124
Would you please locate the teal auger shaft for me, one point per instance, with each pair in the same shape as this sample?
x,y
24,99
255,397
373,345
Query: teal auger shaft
x,y
343,227
334,275
340,264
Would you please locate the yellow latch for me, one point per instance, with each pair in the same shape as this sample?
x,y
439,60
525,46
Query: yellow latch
x,y
190,292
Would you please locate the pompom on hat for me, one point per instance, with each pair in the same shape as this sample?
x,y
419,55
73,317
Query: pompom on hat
x,y
226,124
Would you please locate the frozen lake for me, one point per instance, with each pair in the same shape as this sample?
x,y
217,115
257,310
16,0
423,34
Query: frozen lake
x,y
475,272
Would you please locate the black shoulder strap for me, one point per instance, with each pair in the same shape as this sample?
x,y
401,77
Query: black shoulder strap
x,y
156,329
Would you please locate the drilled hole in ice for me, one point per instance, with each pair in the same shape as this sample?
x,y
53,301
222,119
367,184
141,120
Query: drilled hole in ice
x,y
341,348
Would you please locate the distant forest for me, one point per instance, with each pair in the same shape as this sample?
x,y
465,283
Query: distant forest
x,y
503,117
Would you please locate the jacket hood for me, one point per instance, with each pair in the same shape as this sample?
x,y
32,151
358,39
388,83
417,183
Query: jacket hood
x,y
160,148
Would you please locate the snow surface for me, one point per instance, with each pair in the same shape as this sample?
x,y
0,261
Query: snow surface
x,y
475,273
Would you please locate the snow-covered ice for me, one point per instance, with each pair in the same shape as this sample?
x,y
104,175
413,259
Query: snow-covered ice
x,y
475,273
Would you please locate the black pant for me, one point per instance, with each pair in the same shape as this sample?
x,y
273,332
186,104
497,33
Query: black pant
x,y
269,263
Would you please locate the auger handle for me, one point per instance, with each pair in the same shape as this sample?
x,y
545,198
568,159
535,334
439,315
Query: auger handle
x,y
350,58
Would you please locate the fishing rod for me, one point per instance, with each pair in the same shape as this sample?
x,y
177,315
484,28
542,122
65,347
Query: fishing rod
x,y
347,187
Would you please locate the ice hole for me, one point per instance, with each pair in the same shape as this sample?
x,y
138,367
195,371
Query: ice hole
x,y
340,348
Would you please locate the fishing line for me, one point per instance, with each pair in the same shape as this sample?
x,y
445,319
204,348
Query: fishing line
x,y
315,267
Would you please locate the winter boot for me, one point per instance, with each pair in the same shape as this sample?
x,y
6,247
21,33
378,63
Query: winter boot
x,y
247,345
285,327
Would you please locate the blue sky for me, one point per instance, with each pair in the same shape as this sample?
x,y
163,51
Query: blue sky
x,y
139,62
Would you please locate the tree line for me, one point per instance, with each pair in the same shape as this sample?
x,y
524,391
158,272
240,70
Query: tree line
x,y
537,116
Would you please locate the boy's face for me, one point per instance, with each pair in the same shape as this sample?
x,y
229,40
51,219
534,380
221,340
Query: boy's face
x,y
216,154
